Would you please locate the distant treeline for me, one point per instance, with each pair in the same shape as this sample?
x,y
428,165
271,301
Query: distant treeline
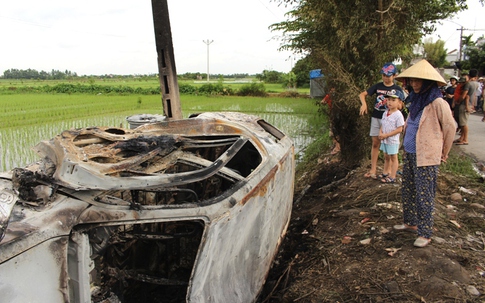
x,y
268,76
250,89
32,74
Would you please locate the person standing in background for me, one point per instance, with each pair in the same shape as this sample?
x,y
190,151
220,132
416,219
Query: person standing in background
x,y
465,108
479,94
450,90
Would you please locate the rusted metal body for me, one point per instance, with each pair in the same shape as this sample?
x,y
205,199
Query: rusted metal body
x,y
189,210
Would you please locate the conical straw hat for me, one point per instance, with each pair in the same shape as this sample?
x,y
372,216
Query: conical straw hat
x,y
422,70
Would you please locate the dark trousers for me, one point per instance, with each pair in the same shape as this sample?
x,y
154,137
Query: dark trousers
x,y
418,193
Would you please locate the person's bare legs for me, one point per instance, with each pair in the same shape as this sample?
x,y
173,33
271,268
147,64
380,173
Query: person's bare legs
x,y
374,154
387,167
460,132
464,134
393,164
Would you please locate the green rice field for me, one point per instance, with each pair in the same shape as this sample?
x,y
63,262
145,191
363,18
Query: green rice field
x,y
26,119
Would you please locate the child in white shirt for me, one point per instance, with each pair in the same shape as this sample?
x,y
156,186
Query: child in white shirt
x,y
391,128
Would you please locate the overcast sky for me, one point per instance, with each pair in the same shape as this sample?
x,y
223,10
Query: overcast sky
x,y
471,20
117,37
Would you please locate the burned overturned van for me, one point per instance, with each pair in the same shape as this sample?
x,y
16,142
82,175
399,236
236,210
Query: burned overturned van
x,y
180,210
189,210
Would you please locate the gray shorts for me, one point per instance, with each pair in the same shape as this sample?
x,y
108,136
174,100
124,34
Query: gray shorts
x,y
463,115
375,126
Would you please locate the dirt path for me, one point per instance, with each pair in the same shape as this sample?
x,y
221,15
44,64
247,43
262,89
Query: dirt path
x,y
341,247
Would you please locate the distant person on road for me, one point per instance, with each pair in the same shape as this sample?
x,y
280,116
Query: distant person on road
x,y
392,126
380,90
456,101
474,89
450,90
466,106
479,94
428,137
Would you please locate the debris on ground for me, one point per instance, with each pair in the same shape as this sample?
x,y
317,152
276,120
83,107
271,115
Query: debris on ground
x,y
341,245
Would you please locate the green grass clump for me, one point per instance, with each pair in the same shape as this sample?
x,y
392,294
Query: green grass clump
x,y
459,164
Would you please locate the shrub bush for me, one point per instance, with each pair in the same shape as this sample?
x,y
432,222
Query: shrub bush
x,y
253,89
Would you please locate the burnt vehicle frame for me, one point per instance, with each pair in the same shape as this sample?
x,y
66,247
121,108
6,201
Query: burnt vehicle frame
x,y
182,210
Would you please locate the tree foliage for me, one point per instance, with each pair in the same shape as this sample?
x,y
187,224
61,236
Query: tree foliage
x,y
475,55
271,76
350,41
302,70
435,52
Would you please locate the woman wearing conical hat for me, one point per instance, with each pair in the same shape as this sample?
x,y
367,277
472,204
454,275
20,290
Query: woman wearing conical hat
x,y
428,137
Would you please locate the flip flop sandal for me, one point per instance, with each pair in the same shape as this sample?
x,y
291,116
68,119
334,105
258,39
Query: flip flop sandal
x,y
388,180
383,176
369,175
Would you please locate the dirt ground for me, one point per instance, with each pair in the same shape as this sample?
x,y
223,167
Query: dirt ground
x,y
341,247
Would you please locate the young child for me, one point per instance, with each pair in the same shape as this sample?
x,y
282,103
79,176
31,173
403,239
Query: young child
x,y
379,90
391,128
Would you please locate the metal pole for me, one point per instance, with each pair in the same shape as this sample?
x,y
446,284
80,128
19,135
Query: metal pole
x,y
461,43
166,60
208,43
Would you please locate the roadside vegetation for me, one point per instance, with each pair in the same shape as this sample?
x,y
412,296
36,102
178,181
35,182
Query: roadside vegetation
x,y
151,86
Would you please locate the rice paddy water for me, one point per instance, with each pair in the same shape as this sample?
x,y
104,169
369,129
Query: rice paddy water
x,y
298,118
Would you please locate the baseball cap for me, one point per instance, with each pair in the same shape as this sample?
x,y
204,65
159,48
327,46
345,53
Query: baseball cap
x,y
397,94
389,69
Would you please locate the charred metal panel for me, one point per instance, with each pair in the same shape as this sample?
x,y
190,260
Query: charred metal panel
x,y
249,235
29,226
38,274
195,238
7,202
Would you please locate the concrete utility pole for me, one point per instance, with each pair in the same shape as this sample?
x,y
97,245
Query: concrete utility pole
x,y
208,43
461,29
166,60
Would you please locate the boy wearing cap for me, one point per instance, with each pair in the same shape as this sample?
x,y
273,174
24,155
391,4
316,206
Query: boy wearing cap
x,y
392,126
382,89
